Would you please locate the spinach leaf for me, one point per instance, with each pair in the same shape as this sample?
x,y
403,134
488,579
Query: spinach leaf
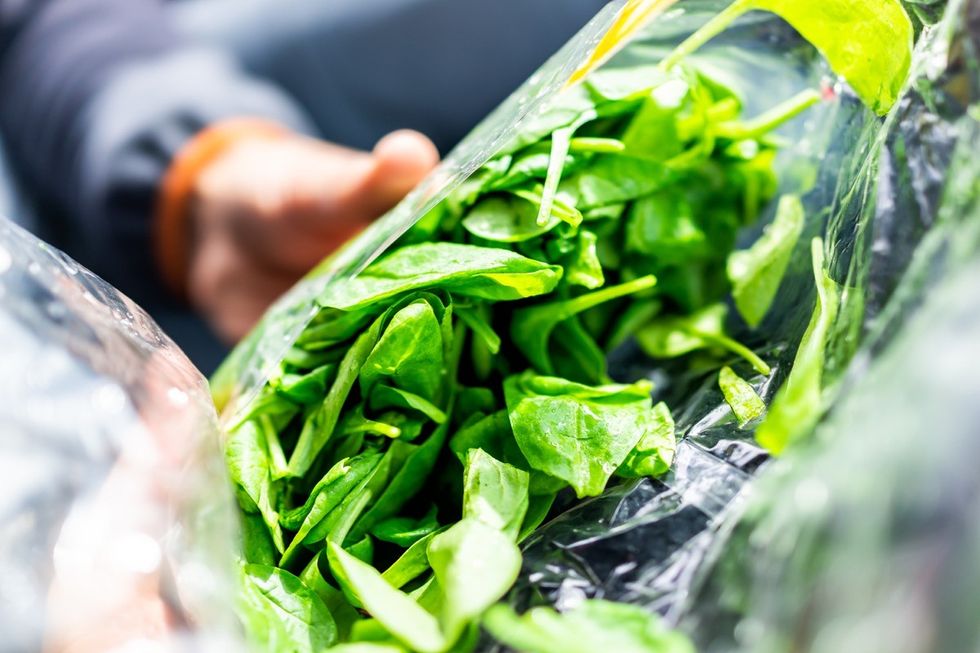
x,y
320,425
742,397
494,492
583,267
756,273
654,132
506,220
531,327
411,564
466,270
409,354
663,225
573,432
614,179
473,318
407,481
344,614
332,327
385,397
246,455
305,388
594,625
669,337
797,406
489,433
395,610
405,531
281,614
867,42
339,483
654,453
474,566
257,546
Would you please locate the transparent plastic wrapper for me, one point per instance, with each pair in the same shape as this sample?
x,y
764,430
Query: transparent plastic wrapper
x,y
864,540
116,525
871,190
868,537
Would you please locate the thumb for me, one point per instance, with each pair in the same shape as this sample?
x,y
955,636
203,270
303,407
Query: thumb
x,y
402,159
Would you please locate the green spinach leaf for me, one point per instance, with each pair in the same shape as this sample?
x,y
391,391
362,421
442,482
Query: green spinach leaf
x,y
741,396
494,492
573,432
595,625
797,406
756,273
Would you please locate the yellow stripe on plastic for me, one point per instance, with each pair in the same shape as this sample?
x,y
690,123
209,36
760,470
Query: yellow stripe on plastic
x,y
634,15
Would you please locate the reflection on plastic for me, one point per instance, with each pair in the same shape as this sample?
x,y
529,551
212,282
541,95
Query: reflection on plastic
x,y
115,523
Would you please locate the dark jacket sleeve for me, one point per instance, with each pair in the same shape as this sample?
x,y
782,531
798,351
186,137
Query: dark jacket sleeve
x,y
97,97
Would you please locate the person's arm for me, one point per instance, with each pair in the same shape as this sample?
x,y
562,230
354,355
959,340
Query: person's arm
x,y
176,167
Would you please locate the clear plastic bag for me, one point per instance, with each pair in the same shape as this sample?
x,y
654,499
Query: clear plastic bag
x,y
854,543
872,191
642,542
116,525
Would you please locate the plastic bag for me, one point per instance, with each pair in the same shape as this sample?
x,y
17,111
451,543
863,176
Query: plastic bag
x,y
116,526
855,543
653,542
869,538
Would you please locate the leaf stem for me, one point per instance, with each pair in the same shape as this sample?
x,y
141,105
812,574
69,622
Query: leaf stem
x,y
708,31
769,120
737,348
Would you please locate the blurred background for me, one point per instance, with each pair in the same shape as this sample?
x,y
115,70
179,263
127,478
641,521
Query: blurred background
x,y
101,95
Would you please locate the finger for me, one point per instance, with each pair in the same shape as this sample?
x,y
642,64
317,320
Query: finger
x,y
356,187
403,159
231,289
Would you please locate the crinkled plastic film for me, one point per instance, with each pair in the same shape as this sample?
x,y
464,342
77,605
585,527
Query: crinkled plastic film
x,y
868,539
116,525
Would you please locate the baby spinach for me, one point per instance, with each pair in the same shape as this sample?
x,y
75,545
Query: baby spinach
x,y
756,273
394,610
438,402
868,42
745,403
465,270
654,453
282,614
797,406
594,625
573,432
673,336
494,492
474,565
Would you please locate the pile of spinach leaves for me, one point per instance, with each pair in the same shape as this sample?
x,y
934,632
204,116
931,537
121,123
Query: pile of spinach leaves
x,y
426,419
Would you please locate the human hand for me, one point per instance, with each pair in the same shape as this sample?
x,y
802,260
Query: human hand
x,y
270,208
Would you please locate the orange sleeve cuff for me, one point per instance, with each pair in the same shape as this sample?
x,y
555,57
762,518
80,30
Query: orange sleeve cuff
x,y
171,227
